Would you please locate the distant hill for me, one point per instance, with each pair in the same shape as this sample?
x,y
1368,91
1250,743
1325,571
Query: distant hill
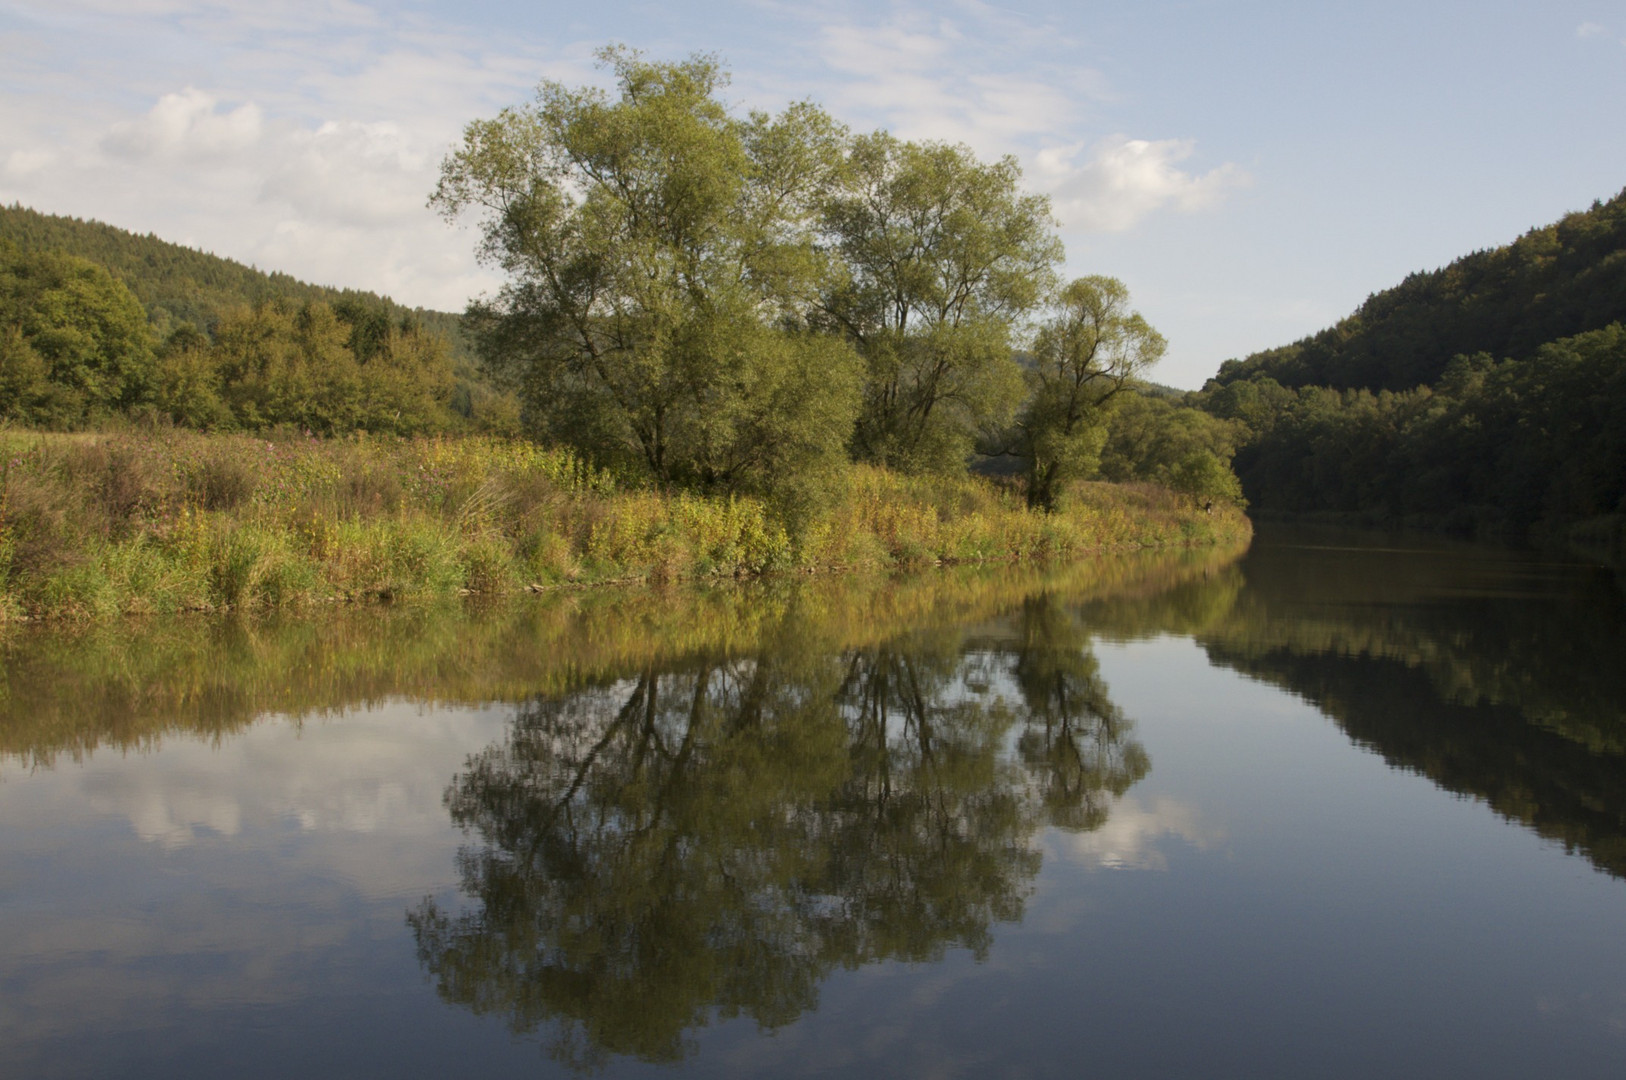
x,y
1486,396
98,322
1555,282
183,285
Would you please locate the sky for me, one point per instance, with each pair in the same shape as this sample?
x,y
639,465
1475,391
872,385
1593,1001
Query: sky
x,y
1251,170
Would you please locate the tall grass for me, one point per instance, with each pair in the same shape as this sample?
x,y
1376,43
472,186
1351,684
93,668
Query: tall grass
x,y
98,525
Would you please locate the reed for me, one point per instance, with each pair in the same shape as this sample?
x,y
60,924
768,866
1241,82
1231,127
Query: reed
x,y
98,525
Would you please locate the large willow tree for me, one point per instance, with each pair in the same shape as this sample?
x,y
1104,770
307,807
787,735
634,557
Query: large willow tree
x,y
942,257
661,262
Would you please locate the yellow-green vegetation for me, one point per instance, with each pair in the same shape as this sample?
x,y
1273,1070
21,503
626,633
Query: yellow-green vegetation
x,y
68,687
98,323
95,525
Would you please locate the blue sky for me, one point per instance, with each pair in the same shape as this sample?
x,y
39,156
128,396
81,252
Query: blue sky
x,y
1251,169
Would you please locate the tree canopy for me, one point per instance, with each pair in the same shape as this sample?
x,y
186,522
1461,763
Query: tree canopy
x,y
75,342
660,272
941,256
161,315
1083,355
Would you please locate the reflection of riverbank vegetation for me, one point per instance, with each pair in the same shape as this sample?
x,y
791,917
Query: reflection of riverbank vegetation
x,y
1492,674
70,688
98,525
712,837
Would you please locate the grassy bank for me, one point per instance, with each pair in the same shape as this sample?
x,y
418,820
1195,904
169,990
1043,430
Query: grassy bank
x,y
95,525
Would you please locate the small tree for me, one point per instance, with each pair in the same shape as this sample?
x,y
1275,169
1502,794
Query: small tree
x,y
1206,478
1082,357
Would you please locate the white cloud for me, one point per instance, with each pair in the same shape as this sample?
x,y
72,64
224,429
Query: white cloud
x,y
926,77
188,125
20,163
379,771
930,78
1591,29
1113,185
338,202
350,173
1129,839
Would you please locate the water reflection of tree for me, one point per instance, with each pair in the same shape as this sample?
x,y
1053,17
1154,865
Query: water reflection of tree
x,y
711,839
1075,741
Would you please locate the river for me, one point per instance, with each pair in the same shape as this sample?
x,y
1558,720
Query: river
x,y
1336,806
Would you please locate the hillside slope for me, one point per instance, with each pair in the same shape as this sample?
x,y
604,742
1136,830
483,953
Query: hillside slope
x,y
1554,282
1487,396
183,285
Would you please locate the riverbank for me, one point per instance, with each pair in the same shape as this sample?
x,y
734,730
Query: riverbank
x,y
99,525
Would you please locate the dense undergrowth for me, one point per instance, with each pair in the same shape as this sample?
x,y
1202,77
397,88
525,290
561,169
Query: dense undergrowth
x,y
95,525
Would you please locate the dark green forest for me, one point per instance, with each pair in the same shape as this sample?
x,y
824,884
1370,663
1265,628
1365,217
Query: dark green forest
x,y
1487,396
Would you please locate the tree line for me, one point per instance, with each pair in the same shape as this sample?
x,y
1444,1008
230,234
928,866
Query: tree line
x,y
746,302
136,316
77,349
177,284
1494,444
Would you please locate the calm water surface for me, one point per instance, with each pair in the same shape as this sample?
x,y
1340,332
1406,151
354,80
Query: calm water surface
x,y
1335,807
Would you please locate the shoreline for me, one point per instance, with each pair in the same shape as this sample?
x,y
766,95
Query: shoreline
x,y
69,687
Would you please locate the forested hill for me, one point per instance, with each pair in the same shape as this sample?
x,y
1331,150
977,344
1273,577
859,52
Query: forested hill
x,y
183,285
97,322
1490,395
1553,282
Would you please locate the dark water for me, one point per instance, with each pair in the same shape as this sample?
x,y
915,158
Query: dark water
x,y
1338,807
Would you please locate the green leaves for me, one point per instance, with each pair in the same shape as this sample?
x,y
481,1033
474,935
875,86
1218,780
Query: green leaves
x,y
941,257
1083,355
1495,444
661,265
734,302
77,343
